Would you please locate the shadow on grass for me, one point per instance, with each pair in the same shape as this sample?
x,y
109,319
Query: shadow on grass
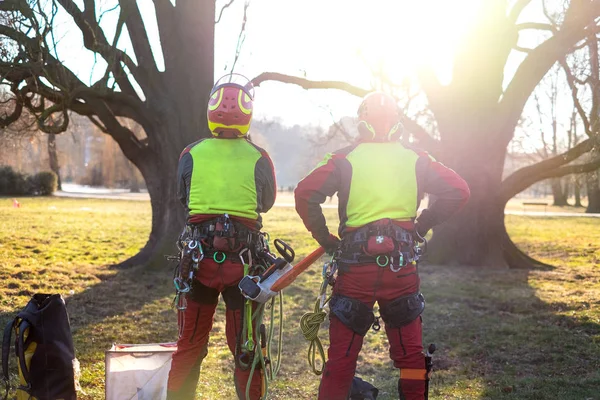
x,y
497,338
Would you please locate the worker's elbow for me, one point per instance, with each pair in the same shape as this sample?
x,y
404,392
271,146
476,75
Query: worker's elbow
x,y
465,193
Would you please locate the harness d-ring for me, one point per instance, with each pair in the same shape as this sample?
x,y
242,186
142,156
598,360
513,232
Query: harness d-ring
x,y
220,259
384,263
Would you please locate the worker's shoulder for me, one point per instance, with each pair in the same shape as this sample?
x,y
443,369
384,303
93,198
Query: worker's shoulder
x,y
344,151
190,146
257,148
417,150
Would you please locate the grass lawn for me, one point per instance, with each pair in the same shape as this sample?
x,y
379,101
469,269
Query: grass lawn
x,y
500,334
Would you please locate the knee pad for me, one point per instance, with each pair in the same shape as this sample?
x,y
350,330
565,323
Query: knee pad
x,y
233,298
200,293
353,313
403,310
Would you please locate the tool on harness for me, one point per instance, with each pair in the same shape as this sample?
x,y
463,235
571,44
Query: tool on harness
x,y
280,274
353,313
191,254
429,366
403,310
254,347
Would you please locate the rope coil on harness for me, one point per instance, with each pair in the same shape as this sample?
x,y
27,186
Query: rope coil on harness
x,y
311,322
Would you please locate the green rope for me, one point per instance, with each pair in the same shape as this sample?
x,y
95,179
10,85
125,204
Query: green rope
x,y
270,372
309,325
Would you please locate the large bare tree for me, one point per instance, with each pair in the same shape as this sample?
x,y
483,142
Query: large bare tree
x,y
476,115
169,104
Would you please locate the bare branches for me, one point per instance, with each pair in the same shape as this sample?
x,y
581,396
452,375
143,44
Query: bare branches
x,y
525,177
222,10
575,95
579,16
95,40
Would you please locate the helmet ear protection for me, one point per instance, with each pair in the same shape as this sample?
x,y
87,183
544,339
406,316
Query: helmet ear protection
x,y
230,106
379,118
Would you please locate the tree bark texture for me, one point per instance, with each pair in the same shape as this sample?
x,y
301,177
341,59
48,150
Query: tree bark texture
x,y
558,193
53,158
593,192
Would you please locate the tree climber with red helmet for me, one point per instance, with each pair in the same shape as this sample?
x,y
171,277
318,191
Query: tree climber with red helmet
x,y
380,184
225,182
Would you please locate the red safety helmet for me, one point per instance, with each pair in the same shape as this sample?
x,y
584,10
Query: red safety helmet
x,y
379,117
230,106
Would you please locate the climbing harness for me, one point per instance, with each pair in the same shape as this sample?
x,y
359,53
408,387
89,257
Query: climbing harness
x,y
352,252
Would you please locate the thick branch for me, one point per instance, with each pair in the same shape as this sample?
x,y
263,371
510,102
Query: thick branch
x,y
165,19
138,36
527,176
537,26
517,9
418,131
309,84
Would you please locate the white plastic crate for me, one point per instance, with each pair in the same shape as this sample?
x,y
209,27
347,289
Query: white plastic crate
x,y
138,371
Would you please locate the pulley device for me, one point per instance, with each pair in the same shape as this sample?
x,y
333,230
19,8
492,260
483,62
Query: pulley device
x,y
280,274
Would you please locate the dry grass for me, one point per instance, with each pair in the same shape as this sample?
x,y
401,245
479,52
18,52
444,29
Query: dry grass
x,y
500,334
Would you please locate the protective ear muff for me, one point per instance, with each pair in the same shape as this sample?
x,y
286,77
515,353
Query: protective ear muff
x,y
396,130
366,130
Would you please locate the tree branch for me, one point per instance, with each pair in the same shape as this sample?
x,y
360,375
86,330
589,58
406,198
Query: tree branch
x,y
428,142
514,13
139,37
223,9
95,40
310,84
575,95
527,176
165,13
537,26
541,59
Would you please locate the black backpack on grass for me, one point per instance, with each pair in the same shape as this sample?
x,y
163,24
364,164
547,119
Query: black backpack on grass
x,y
44,349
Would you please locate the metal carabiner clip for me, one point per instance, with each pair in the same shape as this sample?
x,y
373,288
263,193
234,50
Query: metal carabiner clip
x,y
192,244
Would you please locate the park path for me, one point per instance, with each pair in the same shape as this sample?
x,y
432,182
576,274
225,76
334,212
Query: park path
x,y
287,202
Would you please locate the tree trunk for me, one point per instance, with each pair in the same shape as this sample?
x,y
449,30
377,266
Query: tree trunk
x,y
558,192
53,158
593,192
177,109
577,191
475,235
168,217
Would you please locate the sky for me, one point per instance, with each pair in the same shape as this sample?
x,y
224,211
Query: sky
x,y
323,40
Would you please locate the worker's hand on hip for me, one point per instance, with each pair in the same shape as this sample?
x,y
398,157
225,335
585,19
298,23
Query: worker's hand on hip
x,y
329,243
420,232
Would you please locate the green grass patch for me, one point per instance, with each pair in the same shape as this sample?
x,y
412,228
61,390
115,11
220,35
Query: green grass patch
x,y
500,334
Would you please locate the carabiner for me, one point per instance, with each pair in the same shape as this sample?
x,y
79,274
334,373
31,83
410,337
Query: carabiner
x,y
192,244
222,258
384,263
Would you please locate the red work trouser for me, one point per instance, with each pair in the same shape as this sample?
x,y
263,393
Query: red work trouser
x,y
370,283
211,280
